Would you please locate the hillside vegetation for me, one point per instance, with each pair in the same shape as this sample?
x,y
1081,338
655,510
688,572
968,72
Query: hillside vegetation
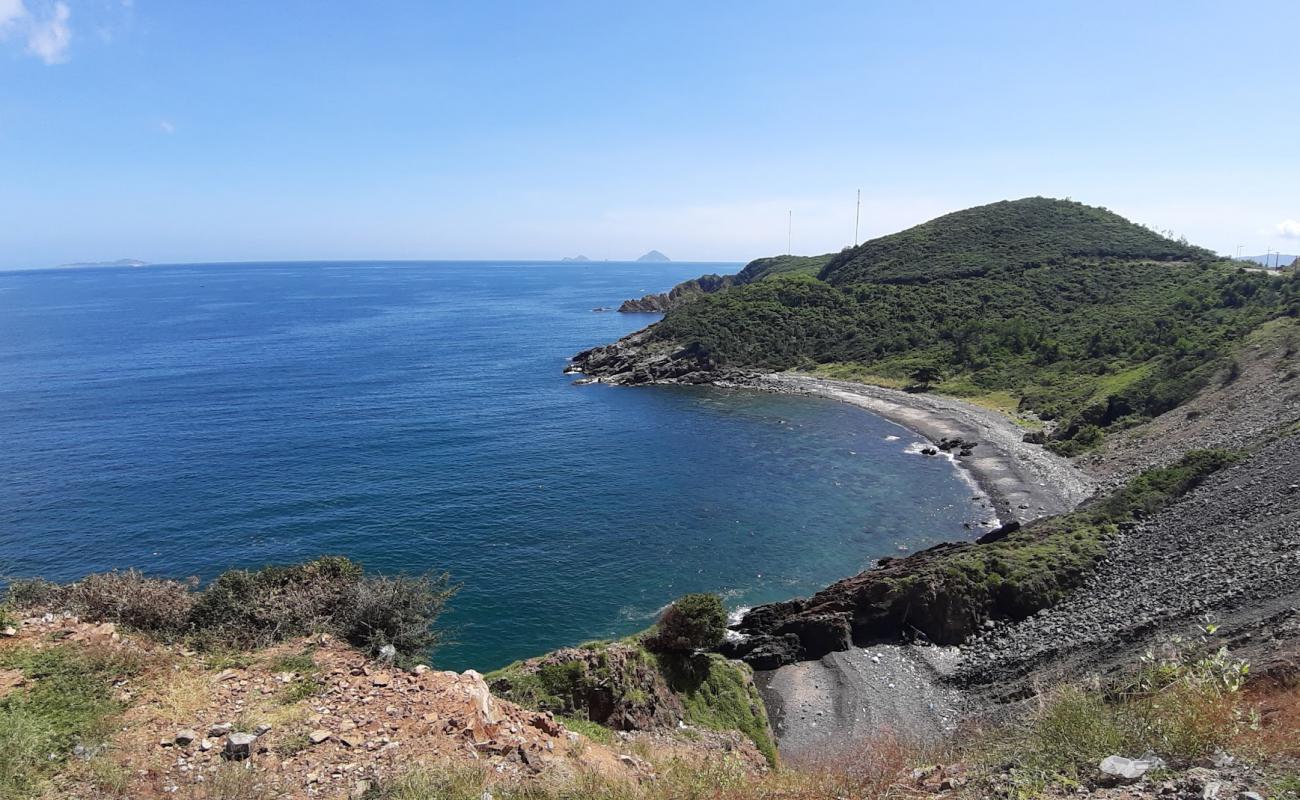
x,y
1084,318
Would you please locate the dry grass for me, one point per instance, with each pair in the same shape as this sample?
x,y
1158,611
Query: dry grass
x,y
1276,729
236,781
873,770
182,694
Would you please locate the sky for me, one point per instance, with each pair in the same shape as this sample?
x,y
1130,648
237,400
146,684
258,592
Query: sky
x,y
307,129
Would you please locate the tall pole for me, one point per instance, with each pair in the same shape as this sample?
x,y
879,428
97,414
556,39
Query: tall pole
x,y
857,215
1239,250
789,233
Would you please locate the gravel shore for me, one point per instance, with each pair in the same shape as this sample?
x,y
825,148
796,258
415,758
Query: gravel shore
x,y
1023,481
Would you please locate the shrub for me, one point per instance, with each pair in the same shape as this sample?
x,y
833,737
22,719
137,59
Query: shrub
x,y
693,622
398,611
155,605
255,608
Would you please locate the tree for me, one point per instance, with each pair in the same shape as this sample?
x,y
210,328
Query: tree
x,y
692,622
924,377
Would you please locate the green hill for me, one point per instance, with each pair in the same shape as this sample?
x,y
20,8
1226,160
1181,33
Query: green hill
x,y
1011,234
1075,313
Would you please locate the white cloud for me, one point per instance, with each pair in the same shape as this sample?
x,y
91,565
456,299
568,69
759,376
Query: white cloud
x,y
11,11
167,127
47,34
48,38
1289,229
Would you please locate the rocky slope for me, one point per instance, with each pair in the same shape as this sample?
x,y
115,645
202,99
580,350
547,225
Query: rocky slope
x,y
1229,551
312,718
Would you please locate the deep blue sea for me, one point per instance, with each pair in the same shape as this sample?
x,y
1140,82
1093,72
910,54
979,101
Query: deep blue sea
x,y
414,416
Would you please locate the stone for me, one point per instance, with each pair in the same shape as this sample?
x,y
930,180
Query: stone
x,y
421,669
186,737
205,744
388,654
1129,769
262,729
352,739
220,729
8,631
380,679
319,735
239,746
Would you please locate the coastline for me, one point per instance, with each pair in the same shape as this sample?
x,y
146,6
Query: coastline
x,y
1022,481
847,694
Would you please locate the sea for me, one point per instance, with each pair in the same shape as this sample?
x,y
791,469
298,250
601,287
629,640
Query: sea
x,y
415,416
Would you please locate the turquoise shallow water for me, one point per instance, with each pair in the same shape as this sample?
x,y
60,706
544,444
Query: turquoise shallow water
x,y
414,416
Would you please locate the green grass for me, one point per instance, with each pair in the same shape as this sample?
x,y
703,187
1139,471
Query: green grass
x,y
67,702
719,694
716,694
593,731
300,662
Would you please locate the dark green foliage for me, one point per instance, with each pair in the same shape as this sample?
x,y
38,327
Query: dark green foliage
x,y
693,622
1095,323
763,268
1156,488
254,608
1035,231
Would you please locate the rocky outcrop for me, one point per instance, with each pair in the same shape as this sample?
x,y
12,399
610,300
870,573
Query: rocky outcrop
x,y
640,359
899,597
684,292
613,685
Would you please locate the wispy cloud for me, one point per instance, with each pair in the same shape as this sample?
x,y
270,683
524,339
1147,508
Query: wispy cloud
x,y
1289,229
11,12
47,34
49,37
167,127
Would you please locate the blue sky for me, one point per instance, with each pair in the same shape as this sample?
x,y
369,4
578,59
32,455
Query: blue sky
x,y
184,131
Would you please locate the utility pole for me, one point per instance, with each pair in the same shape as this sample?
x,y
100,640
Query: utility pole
x,y
789,233
1239,250
857,215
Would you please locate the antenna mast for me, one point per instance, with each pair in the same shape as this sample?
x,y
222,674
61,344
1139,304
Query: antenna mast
x,y
857,215
789,232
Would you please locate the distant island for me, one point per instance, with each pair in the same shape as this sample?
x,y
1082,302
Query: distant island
x,y
575,259
654,255
121,262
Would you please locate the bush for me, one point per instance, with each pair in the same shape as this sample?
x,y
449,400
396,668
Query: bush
x,y
149,604
398,611
693,622
255,608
